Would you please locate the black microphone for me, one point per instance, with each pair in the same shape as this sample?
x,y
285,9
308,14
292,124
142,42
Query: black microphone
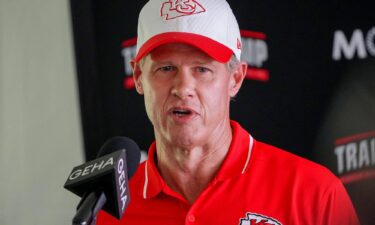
x,y
103,182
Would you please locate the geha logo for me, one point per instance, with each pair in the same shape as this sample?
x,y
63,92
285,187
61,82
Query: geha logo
x,y
257,219
360,44
254,52
355,157
90,169
177,8
122,183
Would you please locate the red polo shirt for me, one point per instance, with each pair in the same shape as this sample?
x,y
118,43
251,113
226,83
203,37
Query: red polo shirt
x,y
256,184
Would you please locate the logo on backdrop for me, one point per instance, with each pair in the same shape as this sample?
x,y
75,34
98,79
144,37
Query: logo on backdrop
x,y
360,44
177,8
254,52
355,157
257,219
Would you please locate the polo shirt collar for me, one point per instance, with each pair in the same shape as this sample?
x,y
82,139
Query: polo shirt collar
x,y
235,163
154,183
238,156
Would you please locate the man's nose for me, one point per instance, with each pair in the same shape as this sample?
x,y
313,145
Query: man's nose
x,y
184,84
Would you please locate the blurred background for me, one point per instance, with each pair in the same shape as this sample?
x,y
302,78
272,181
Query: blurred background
x,y
66,87
40,125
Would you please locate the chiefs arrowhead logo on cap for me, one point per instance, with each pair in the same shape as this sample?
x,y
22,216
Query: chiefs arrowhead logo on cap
x,y
177,8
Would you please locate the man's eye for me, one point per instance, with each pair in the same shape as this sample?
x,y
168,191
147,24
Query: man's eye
x,y
202,69
166,68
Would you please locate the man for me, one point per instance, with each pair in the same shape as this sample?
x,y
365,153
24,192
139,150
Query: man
x,y
204,168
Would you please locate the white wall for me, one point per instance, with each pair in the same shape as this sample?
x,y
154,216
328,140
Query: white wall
x,y
40,134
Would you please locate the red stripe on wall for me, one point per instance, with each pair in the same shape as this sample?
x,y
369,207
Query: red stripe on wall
x,y
253,34
352,138
258,74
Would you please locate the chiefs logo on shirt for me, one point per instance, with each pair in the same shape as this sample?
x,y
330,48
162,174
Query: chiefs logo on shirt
x,y
257,219
176,8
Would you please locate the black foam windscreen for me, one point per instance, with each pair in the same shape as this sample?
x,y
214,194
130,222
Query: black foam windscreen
x,y
133,154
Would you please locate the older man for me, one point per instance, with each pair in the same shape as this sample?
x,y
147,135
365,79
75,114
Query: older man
x,y
204,168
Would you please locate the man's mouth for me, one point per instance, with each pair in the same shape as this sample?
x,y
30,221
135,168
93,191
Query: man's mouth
x,y
181,112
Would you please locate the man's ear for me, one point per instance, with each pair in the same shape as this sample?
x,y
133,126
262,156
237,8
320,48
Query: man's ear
x,y
137,76
237,78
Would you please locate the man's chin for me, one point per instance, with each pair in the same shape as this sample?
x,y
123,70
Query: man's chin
x,y
185,139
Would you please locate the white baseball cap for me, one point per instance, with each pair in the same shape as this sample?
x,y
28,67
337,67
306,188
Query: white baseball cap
x,y
205,24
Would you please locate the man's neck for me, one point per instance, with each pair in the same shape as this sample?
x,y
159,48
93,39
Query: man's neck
x,y
189,171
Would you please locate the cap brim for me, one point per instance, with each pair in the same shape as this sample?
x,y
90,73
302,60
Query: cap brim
x,y
214,49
